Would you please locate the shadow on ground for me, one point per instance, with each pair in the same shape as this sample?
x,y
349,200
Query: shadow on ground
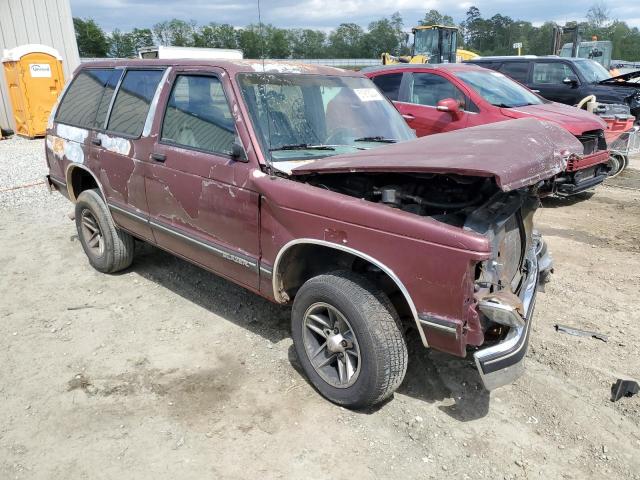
x,y
431,376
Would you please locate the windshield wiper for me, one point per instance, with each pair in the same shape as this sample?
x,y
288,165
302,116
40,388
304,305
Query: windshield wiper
x,y
376,139
301,146
502,105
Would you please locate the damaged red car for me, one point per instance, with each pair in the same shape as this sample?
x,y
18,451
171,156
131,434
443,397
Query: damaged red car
x,y
447,97
304,185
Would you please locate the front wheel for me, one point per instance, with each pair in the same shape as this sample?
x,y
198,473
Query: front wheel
x,y
348,339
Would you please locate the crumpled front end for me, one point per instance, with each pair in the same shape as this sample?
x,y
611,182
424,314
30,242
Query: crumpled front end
x,y
506,288
588,170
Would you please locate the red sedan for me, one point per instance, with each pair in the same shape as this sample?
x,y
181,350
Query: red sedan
x,y
441,98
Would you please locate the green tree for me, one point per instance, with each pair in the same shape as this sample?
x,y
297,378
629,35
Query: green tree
x,y
121,45
277,42
140,38
382,37
347,41
216,35
175,32
251,41
434,17
91,39
307,43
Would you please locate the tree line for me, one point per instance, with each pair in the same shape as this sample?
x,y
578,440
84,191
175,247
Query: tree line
x,y
485,36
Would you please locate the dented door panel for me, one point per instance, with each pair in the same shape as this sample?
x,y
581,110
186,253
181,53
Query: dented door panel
x,y
200,206
121,174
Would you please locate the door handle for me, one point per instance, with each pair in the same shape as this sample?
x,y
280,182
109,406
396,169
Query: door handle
x,y
535,91
158,157
408,116
96,141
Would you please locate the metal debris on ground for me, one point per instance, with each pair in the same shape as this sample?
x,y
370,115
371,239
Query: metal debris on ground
x,y
580,333
623,388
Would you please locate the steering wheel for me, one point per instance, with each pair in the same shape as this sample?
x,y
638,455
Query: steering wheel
x,y
340,136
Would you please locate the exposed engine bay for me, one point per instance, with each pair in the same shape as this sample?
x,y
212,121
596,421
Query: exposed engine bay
x,y
447,198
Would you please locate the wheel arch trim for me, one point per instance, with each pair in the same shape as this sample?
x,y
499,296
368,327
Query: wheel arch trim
x,y
72,196
311,241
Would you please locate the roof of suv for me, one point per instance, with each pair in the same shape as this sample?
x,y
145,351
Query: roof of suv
x,y
231,66
515,58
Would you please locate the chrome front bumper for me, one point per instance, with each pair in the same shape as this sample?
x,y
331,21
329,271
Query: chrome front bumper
x,y
502,363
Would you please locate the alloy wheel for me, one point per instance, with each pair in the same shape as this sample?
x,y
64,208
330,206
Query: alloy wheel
x,y
92,234
331,345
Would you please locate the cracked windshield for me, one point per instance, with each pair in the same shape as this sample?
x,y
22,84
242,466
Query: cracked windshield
x,y
310,116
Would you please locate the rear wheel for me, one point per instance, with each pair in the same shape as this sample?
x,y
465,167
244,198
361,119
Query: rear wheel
x,y
108,248
348,338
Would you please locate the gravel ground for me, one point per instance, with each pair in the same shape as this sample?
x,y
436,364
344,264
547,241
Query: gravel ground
x,y
166,371
22,168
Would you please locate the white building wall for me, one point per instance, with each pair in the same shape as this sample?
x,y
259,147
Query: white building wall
x,y
48,22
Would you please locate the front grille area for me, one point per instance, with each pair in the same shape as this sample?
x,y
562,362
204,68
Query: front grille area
x,y
592,141
511,252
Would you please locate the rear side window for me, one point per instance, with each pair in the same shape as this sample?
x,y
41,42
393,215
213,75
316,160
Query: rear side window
x,y
198,115
107,96
516,70
132,101
551,73
389,84
80,104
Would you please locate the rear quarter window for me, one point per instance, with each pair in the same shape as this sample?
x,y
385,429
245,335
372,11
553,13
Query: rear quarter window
x,y
132,101
389,84
80,104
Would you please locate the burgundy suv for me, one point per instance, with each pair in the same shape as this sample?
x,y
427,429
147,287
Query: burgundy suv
x,y
304,185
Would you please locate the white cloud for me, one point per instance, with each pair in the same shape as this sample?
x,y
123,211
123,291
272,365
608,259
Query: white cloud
x,y
323,14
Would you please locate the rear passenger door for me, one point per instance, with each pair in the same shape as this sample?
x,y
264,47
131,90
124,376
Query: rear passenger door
x,y
519,71
548,77
122,147
419,99
198,205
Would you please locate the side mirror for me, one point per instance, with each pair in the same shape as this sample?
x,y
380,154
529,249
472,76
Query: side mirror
x,y
449,105
573,81
237,151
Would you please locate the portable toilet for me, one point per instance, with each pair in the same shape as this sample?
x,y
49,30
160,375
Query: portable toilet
x,y
34,79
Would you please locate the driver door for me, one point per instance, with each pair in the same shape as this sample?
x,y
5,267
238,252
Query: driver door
x,y
419,99
198,206
548,81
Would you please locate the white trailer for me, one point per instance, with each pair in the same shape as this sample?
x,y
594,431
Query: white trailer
x,y
168,52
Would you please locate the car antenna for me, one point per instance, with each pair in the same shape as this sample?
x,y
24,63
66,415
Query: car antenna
x,y
267,158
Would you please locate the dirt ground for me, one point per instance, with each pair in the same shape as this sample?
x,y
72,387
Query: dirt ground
x,y
166,371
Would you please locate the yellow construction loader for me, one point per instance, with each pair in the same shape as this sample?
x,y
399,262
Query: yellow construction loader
x,y
432,44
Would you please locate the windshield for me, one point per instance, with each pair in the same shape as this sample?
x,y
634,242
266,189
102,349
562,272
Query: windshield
x,y
592,71
499,90
309,116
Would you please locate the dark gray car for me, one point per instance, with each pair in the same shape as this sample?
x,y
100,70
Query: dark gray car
x,y
568,80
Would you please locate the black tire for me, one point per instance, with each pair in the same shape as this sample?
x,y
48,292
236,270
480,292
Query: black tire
x,y
377,329
116,252
617,163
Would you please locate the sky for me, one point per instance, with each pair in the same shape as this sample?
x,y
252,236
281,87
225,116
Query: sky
x,y
327,14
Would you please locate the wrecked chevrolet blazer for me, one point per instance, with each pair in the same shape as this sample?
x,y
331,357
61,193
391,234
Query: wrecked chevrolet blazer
x,y
304,185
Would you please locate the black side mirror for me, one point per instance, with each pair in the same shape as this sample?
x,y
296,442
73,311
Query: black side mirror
x,y
573,81
237,151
